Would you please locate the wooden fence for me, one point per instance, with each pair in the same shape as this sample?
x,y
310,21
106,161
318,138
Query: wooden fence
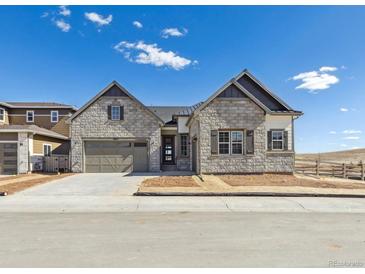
x,y
56,163
331,169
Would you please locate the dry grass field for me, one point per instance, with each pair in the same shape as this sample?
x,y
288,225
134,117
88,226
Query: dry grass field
x,y
345,156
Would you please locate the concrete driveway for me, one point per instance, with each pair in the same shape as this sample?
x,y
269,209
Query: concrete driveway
x,y
88,184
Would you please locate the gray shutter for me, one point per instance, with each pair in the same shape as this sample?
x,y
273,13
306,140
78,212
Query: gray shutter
x,y
285,140
214,142
121,111
250,142
269,139
109,112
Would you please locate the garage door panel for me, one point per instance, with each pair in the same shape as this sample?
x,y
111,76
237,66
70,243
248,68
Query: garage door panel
x,y
8,158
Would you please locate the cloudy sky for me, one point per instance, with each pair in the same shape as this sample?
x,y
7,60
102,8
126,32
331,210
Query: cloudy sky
x,y
312,57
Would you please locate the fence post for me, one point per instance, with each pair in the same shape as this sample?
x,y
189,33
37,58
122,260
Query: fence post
x,y
362,170
344,170
317,167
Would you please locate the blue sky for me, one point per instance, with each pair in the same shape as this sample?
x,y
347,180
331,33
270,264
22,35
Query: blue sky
x,y
181,55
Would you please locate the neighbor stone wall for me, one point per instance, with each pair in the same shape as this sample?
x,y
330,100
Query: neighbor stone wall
x,y
23,152
279,162
93,123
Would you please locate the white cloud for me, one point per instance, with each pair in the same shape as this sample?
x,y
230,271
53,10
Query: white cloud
x,y
137,24
324,69
332,132
355,147
316,80
65,11
62,25
343,145
98,19
351,138
44,14
166,33
151,54
351,131
344,109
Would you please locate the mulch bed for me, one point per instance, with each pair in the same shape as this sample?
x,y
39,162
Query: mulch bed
x,y
285,180
19,186
170,181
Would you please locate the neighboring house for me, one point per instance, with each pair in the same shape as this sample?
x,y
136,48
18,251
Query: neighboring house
x,y
29,131
241,128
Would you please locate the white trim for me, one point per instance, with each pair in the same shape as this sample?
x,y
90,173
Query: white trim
x,y
282,140
229,142
111,113
5,142
43,115
26,116
3,109
54,111
50,152
241,131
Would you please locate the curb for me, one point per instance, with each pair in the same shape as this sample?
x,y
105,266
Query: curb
x,y
248,194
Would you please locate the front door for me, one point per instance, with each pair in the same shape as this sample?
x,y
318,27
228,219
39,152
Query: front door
x,y
168,150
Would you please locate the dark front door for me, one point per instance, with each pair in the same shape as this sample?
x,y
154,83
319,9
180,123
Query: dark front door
x,y
168,150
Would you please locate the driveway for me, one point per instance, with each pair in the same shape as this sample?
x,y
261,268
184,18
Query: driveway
x,y
89,184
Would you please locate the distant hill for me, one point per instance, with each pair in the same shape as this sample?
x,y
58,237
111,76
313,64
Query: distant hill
x,y
344,156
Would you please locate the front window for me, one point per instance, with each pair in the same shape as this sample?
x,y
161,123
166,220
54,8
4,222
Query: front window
x,y
47,150
224,142
54,116
30,116
277,140
115,113
2,115
184,145
237,140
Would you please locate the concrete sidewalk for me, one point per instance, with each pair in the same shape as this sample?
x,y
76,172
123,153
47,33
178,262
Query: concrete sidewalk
x,y
178,204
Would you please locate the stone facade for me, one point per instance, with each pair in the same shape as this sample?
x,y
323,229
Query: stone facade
x,y
23,152
93,123
236,114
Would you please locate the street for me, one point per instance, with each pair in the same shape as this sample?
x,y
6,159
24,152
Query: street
x,y
181,239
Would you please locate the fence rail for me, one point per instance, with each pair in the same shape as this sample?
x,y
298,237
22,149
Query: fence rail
x,y
331,169
56,163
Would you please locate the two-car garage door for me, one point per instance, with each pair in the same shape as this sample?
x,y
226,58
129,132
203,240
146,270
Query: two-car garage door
x,y
115,156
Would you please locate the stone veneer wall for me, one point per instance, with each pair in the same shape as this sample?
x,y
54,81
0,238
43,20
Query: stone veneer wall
x,y
23,152
93,123
238,114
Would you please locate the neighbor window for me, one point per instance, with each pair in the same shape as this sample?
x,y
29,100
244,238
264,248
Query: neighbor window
x,y
30,116
223,142
236,142
47,150
277,140
54,116
115,113
2,115
184,145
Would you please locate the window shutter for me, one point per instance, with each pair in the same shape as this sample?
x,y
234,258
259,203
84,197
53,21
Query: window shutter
x,y
285,140
269,139
109,112
250,142
214,142
121,111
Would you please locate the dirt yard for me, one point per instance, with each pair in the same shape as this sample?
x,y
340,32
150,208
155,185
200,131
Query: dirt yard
x,y
18,183
170,181
285,180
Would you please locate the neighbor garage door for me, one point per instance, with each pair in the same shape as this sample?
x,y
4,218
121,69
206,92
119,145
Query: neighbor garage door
x,y
8,158
115,156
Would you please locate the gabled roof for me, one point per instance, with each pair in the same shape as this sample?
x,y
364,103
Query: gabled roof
x,y
37,105
166,113
106,89
32,129
257,92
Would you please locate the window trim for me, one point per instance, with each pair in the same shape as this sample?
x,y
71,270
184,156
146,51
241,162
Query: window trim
x,y
282,140
3,119
50,151
27,117
229,142
235,142
186,145
54,111
111,113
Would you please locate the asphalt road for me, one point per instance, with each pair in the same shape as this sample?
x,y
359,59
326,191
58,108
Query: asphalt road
x,y
182,239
